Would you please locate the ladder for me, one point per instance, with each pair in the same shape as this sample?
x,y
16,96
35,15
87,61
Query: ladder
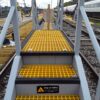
x,y
48,67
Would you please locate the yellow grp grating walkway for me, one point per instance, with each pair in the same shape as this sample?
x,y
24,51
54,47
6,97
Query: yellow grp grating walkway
x,y
47,71
48,97
47,41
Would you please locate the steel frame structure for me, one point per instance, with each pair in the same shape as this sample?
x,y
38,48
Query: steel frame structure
x,y
59,21
35,15
81,14
13,16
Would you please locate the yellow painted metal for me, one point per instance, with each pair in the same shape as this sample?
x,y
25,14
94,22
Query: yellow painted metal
x,y
45,27
47,41
49,97
47,71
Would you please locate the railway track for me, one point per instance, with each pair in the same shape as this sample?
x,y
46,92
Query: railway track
x,y
91,72
7,51
7,54
90,62
84,30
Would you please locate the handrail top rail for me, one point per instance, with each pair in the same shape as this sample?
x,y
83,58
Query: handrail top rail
x,y
91,32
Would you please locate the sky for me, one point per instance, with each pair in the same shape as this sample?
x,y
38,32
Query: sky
x,y
40,3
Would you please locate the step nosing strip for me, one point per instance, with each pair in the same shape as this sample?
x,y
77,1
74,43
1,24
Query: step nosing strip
x,y
47,81
46,53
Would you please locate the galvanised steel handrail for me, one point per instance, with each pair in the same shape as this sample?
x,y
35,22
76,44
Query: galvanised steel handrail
x,y
78,61
81,14
94,43
61,14
10,90
6,25
59,21
35,15
90,32
9,95
83,82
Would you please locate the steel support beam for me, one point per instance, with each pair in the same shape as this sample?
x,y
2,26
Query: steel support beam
x,y
81,73
94,43
58,15
11,83
6,25
78,61
33,15
37,22
97,97
78,28
15,23
61,14
10,91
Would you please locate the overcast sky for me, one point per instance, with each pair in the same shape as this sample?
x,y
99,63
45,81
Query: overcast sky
x,y
40,3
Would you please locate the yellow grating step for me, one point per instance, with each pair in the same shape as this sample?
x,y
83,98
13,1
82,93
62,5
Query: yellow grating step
x,y
47,71
47,41
48,97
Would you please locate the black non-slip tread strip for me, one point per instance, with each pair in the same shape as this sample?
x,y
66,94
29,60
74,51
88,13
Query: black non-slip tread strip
x,y
47,53
47,80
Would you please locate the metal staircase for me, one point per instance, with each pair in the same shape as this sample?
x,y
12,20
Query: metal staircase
x,y
47,70
48,67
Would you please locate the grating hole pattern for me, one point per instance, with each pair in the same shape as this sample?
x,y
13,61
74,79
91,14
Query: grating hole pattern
x,y
47,71
47,41
48,97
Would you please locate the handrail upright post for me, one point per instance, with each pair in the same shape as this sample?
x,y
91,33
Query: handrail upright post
x,y
61,14
10,90
94,43
36,14
81,72
58,14
78,28
15,23
33,15
37,23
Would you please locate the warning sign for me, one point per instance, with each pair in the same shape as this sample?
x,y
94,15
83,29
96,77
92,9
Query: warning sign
x,y
47,89
40,90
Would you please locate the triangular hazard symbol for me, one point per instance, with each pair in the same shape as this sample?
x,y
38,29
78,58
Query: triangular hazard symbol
x,y
40,90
